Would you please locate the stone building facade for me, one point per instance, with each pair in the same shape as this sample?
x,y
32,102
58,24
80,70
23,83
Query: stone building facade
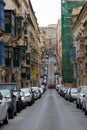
x,y
59,59
22,44
51,36
79,42
43,49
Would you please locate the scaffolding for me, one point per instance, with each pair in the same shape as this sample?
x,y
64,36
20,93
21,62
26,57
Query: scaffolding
x,y
67,37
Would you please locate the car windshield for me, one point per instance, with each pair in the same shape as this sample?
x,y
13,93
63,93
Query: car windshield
x,y
35,88
12,87
25,90
73,90
5,93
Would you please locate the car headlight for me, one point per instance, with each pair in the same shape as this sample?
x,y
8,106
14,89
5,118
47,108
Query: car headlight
x,y
23,99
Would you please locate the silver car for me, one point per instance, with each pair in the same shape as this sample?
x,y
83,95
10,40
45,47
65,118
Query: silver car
x,y
28,96
3,110
80,97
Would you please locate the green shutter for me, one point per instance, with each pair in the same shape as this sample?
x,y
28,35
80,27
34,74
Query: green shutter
x,y
18,26
16,57
23,72
25,28
28,73
10,22
8,56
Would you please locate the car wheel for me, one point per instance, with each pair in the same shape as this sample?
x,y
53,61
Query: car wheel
x,y
11,115
77,105
80,106
15,113
85,110
5,121
18,108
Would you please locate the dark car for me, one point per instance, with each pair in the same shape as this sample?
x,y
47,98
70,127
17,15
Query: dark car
x,y
13,87
11,101
67,96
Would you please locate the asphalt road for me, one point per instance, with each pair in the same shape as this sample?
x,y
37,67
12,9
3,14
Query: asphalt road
x,y
51,112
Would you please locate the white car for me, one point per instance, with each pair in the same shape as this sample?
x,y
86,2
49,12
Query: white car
x,y
28,96
41,90
3,110
85,101
58,86
80,97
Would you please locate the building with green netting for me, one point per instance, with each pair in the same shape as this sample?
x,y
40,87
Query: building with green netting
x,y
67,37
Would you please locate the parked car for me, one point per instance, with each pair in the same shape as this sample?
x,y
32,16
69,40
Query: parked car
x,y
37,92
3,110
67,94
64,91
80,96
44,87
28,96
85,103
73,94
13,87
41,90
57,87
32,94
62,88
11,100
23,100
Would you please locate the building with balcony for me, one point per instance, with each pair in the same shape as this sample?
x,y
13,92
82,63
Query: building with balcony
x,y
79,31
21,43
59,58
2,42
43,51
51,37
35,55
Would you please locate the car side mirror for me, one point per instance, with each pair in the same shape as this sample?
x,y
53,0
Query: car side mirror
x,y
84,95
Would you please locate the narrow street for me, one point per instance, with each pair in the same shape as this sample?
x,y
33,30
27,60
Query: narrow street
x,y
51,112
51,70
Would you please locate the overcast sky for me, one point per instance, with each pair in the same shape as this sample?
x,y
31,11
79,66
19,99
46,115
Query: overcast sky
x,y
47,11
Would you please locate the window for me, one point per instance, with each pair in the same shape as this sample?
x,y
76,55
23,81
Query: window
x,y
8,52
